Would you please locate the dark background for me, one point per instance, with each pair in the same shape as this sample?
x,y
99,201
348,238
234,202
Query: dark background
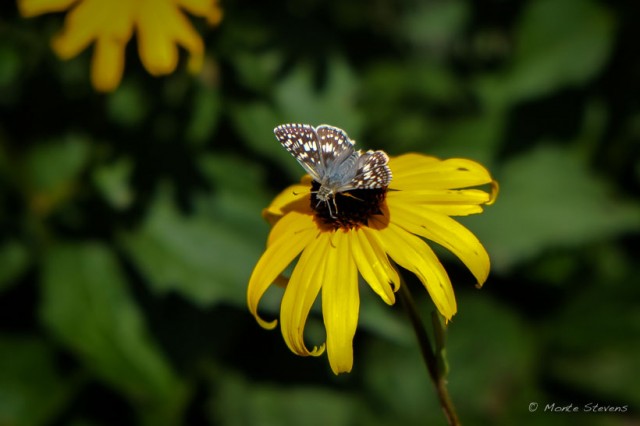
x,y
130,222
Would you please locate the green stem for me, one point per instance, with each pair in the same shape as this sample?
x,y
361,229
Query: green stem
x,y
431,360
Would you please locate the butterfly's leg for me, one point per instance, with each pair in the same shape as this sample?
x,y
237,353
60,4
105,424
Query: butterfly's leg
x,y
329,207
334,205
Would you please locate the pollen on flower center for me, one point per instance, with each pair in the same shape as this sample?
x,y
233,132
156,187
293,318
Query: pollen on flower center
x,y
351,208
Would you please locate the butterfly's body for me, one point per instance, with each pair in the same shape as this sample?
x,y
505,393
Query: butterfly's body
x,y
328,155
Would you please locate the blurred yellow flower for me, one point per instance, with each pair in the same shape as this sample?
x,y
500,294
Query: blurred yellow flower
x,y
160,26
369,226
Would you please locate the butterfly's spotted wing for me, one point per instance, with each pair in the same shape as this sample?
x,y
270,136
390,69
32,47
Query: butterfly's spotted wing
x,y
301,141
335,146
328,155
372,171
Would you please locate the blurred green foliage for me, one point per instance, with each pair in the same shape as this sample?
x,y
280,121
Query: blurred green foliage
x,y
130,222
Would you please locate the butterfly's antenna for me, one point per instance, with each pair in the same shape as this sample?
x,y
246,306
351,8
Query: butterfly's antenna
x,y
346,194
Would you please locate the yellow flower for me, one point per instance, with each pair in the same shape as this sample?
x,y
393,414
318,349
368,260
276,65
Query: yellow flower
x,y
373,226
160,27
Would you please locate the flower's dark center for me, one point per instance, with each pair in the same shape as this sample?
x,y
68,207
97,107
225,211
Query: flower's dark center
x,y
347,209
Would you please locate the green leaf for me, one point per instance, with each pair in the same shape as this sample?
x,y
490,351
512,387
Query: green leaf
x,y
477,137
239,402
491,356
257,69
594,335
397,99
255,121
487,351
297,99
51,167
14,259
206,258
396,375
435,24
549,199
207,106
32,391
10,68
553,51
379,319
87,306
334,102
113,182
128,105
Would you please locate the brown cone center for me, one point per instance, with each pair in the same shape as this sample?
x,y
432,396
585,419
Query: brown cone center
x,y
348,209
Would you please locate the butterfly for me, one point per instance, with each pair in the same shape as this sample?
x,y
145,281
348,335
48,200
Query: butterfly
x,y
329,156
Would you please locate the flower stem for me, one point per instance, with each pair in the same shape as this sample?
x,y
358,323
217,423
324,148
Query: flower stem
x,y
435,366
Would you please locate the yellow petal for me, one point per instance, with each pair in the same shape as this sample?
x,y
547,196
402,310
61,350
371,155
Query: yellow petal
x,y
209,9
340,302
374,266
30,8
278,232
295,197
156,39
416,256
495,190
457,210
107,64
406,163
295,231
451,202
81,27
195,63
418,172
446,232
92,19
441,196
302,290
185,35
68,44
161,27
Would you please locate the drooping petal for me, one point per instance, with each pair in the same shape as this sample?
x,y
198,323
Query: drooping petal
x,y
30,8
340,302
374,266
184,33
195,63
107,64
92,19
162,27
302,290
446,232
294,232
378,249
209,9
418,172
416,256
75,36
156,45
